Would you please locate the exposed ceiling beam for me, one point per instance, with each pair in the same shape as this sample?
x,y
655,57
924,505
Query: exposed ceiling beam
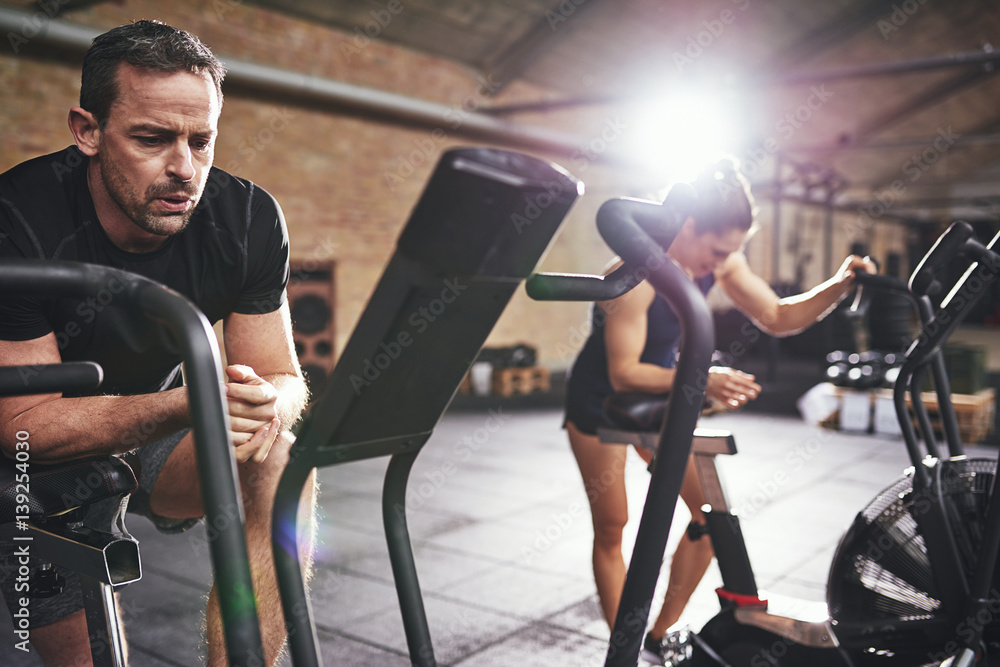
x,y
821,39
57,35
555,26
845,25
929,198
983,136
965,139
933,96
554,105
57,9
984,60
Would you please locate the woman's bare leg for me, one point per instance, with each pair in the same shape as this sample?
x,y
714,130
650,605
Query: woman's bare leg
x,y
602,467
690,561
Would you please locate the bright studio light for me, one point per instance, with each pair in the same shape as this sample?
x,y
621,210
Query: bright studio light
x,y
680,134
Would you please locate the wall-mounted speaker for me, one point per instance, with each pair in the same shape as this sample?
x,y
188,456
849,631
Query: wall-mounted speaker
x,y
311,303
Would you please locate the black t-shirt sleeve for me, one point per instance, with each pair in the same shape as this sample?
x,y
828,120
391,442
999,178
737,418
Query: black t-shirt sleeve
x,y
21,317
267,251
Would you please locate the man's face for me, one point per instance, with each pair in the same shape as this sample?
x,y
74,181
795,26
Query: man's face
x,y
157,146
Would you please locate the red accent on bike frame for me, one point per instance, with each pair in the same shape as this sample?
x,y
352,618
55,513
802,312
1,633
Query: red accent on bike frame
x,y
741,600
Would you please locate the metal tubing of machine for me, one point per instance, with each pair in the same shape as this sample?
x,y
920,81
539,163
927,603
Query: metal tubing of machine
x,y
303,642
925,310
980,600
921,478
946,410
731,553
217,471
622,230
920,410
106,640
651,218
411,604
983,580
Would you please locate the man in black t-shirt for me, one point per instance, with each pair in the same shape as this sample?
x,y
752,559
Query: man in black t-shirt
x,y
138,192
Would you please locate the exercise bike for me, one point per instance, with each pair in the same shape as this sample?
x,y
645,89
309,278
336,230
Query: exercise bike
x,y
925,597
911,580
639,232
73,514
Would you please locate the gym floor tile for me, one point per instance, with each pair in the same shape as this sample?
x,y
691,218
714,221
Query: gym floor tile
x,y
541,646
457,629
437,567
518,591
337,649
584,617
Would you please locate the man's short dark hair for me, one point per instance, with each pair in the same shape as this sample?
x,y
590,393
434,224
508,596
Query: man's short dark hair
x,y
147,45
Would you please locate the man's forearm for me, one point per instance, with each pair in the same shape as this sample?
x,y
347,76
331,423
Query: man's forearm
x,y
70,428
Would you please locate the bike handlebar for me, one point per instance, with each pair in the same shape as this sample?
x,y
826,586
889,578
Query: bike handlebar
x,y
878,281
577,287
638,231
210,417
954,304
72,376
926,278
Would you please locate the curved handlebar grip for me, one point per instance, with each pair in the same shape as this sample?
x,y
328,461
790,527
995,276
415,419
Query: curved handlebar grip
x,y
573,287
869,281
71,376
63,278
617,219
926,278
951,304
887,283
619,222
984,254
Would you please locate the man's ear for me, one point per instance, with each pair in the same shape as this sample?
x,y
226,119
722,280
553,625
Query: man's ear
x,y
86,130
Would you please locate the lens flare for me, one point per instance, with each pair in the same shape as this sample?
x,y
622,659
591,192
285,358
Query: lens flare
x,y
679,134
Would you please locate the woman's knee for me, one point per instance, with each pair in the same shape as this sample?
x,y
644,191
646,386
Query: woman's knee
x,y
608,529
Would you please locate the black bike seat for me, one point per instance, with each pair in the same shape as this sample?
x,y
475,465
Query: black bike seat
x,y
56,488
637,412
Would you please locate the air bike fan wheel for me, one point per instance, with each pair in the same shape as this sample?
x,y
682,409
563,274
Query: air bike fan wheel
x,y
882,596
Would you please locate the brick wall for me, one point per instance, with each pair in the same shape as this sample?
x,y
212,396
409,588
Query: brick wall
x,y
346,183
